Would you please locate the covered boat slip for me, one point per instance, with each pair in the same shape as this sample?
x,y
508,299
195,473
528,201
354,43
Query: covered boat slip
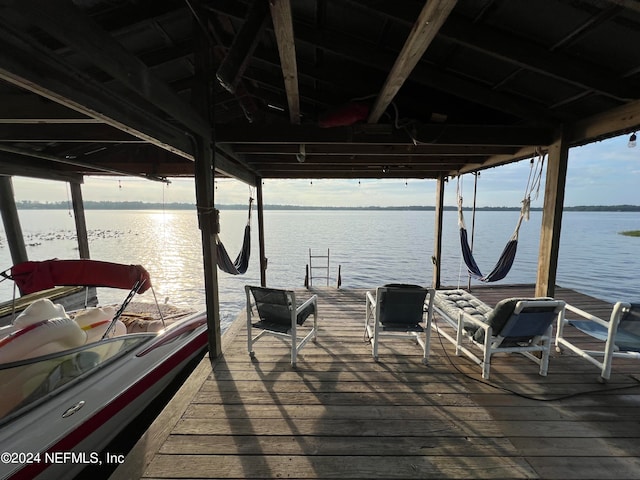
x,y
341,415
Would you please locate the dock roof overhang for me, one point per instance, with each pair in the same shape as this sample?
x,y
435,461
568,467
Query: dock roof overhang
x,y
310,88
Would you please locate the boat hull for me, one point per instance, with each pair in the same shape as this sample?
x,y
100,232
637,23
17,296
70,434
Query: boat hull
x,y
68,432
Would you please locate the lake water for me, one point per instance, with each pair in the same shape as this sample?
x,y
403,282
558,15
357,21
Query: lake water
x,y
372,247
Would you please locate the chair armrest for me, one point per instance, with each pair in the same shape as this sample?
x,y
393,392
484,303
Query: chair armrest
x,y
471,319
313,300
371,299
587,316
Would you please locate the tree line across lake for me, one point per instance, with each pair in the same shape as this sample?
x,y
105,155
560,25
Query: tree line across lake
x,y
109,205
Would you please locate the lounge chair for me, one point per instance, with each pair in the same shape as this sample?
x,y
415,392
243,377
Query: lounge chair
x,y
621,335
522,325
398,310
280,316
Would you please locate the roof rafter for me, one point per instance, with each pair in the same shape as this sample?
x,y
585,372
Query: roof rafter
x,y
283,29
433,15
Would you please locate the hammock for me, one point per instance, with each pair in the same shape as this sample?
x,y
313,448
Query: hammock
x,y
508,255
241,263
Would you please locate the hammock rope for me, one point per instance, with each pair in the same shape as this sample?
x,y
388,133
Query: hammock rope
x,y
240,265
508,255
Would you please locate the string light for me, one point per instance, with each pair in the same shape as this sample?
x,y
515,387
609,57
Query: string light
x,y
632,140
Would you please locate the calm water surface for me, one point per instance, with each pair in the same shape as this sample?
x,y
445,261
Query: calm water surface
x,y
373,248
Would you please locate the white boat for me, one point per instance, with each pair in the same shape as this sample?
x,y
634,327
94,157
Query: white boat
x,y
71,382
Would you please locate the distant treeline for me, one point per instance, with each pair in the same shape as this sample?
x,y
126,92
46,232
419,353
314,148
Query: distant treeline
x,y
105,205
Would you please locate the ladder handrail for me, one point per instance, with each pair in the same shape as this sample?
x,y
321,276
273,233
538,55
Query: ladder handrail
x,y
309,276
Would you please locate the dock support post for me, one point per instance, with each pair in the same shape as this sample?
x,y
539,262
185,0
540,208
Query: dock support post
x,y
11,221
552,217
263,258
203,146
78,215
437,232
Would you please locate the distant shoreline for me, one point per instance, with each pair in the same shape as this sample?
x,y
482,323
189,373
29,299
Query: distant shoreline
x,y
92,205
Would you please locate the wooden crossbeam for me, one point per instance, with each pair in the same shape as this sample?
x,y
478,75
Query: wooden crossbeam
x,y
426,150
283,28
501,135
432,17
235,63
57,80
81,33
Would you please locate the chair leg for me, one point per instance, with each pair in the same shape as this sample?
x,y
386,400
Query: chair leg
x,y
486,363
315,325
544,357
250,340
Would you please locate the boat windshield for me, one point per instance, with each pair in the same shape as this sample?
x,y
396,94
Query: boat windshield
x,y
28,382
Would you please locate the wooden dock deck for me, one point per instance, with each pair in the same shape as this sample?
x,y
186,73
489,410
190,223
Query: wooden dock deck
x,y
341,415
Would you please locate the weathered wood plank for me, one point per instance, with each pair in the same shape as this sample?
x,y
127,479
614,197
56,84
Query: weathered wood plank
x,y
335,445
360,412
311,466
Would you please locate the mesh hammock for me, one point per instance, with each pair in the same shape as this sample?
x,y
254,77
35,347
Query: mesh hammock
x,y
241,263
508,255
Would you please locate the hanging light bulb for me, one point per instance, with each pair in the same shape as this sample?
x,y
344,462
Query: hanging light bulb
x,y
301,156
632,140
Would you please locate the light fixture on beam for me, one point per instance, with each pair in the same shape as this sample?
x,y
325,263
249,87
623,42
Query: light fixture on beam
x,y
632,140
301,156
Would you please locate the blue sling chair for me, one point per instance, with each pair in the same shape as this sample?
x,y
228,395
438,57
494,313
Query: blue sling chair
x,y
621,335
279,315
399,311
515,325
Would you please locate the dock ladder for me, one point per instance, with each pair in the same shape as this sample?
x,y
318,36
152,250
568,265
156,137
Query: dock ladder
x,y
319,262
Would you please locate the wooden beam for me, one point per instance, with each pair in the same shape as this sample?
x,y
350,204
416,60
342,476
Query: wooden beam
x,y
532,57
82,34
61,82
15,165
420,150
11,222
75,163
611,123
27,64
202,99
433,15
78,215
467,135
283,29
263,256
496,160
352,173
27,108
552,217
368,54
234,64
60,132
629,4
522,53
437,233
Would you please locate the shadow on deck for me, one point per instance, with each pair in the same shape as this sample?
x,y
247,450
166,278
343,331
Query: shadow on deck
x,y
341,415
